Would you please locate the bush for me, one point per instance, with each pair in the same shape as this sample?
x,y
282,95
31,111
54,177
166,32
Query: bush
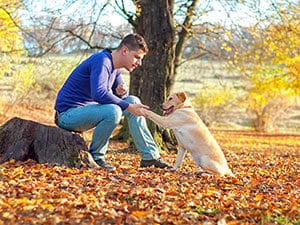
x,y
213,102
35,81
266,116
268,98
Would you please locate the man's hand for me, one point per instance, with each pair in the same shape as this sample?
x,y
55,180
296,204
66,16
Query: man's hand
x,y
137,109
121,89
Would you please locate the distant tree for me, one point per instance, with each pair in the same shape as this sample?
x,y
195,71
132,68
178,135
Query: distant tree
x,y
82,29
11,56
11,40
270,65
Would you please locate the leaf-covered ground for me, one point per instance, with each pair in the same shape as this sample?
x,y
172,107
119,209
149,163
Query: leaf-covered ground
x,y
265,190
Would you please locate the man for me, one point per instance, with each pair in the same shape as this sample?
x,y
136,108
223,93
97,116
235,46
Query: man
x,y
95,96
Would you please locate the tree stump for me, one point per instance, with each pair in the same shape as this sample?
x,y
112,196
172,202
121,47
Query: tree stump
x,y
25,139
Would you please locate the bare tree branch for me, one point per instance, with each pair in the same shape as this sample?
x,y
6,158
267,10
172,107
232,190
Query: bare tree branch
x,y
183,34
125,14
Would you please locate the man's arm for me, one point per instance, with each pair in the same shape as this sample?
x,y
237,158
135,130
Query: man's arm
x,y
119,87
99,87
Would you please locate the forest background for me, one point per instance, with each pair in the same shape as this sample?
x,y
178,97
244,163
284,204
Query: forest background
x,y
239,61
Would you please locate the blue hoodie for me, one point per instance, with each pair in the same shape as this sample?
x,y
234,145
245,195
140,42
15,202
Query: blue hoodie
x,y
93,81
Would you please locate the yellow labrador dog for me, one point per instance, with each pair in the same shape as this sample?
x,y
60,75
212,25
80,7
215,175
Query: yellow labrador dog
x,y
192,135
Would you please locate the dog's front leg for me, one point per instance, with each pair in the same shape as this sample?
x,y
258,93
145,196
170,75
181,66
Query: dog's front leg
x,y
179,158
159,120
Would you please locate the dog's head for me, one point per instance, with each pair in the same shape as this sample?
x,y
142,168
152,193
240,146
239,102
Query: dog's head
x,y
173,102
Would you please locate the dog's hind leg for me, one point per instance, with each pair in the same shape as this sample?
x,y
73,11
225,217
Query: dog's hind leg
x,y
179,158
209,165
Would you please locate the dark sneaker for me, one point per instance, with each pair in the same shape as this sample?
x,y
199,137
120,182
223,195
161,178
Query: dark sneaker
x,y
158,163
105,165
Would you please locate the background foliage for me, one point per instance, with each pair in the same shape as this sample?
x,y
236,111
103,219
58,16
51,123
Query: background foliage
x,y
262,57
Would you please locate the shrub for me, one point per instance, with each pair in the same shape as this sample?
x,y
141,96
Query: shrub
x,y
213,102
36,81
268,98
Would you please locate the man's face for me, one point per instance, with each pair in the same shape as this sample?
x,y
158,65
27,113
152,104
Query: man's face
x,y
133,59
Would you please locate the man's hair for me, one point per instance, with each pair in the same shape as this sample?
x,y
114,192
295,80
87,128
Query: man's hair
x,y
134,42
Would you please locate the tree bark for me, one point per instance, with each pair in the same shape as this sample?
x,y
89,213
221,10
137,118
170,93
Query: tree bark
x,y
151,80
25,139
155,79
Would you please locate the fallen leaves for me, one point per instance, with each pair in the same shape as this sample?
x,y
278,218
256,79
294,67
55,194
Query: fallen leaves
x,y
264,191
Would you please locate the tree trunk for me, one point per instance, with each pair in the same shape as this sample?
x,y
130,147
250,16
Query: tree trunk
x,y
24,139
155,80
151,81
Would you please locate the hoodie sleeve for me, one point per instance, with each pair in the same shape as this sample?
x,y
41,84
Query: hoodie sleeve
x,y
118,81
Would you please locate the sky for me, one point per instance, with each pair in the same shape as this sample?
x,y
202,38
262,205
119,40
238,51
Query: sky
x,y
240,15
71,7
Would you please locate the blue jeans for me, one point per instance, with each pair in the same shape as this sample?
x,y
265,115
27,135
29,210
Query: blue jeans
x,y
105,118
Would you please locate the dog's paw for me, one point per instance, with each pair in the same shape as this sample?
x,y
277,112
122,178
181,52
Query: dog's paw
x,y
202,173
144,112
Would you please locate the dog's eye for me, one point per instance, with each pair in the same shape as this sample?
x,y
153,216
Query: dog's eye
x,y
170,98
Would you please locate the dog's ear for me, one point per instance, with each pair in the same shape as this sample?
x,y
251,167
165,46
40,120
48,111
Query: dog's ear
x,y
182,96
